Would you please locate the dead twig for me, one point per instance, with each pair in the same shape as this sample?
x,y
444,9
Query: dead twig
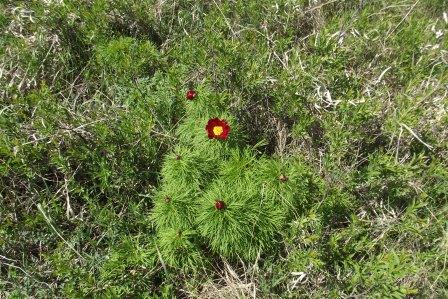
x,y
402,20
416,136
39,207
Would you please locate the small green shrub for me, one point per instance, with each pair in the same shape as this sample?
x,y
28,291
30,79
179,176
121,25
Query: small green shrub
x,y
257,193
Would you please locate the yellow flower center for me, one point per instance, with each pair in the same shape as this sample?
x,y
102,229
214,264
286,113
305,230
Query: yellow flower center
x,y
217,130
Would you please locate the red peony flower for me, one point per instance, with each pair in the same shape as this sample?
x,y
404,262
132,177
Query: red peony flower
x,y
191,94
217,128
219,205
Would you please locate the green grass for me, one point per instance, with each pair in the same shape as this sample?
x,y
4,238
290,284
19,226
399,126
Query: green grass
x,y
335,174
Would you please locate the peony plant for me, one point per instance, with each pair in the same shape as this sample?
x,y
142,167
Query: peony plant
x,y
219,195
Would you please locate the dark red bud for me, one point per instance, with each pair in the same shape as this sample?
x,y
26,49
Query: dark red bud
x,y
219,205
191,94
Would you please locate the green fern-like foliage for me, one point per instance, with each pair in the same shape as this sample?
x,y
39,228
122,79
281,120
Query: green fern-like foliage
x,y
174,205
185,165
179,248
256,195
247,223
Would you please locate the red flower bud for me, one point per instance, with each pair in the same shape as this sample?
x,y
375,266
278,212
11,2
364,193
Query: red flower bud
x,y
191,94
219,205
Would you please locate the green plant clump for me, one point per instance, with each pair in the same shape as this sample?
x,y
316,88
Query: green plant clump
x,y
223,149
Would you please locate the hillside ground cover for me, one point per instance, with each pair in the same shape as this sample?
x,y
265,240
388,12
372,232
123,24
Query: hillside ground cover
x,y
224,149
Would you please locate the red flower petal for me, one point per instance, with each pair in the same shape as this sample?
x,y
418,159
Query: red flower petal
x,y
217,128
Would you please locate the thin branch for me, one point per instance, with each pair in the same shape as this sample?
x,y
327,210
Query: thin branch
x,y
402,20
416,136
225,19
39,207
398,144
161,259
24,272
8,259
319,6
